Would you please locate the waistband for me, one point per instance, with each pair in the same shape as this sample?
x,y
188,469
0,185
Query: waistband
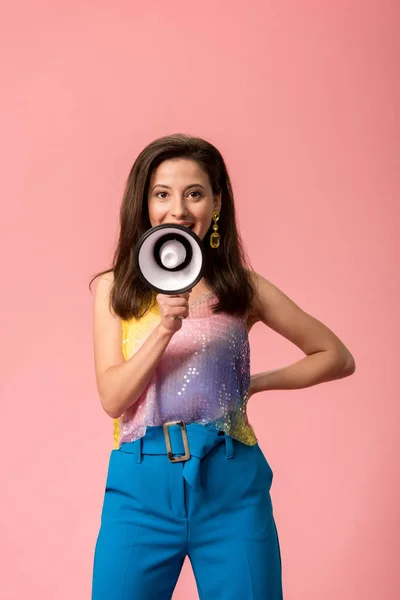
x,y
199,439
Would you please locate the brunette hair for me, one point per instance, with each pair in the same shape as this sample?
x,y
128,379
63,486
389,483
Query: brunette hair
x,y
226,270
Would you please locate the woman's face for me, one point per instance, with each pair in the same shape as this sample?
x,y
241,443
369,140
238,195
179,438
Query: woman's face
x,y
180,192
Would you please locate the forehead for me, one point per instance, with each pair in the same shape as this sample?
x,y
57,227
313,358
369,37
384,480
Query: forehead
x,y
179,171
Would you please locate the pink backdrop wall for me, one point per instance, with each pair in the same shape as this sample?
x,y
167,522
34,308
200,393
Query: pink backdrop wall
x,y
302,99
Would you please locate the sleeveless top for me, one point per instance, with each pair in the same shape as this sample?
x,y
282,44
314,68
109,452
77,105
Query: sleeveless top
x,y
202,377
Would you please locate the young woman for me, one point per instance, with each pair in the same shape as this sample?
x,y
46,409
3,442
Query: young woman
x,y
199,488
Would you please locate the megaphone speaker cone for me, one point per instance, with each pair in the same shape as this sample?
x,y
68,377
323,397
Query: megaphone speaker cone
x,y
170,259
172,254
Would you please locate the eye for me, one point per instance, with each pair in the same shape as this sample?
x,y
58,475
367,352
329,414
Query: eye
x,y
195,192
159,195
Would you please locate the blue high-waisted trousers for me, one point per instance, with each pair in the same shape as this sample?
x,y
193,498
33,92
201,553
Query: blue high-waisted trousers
x,y
214,507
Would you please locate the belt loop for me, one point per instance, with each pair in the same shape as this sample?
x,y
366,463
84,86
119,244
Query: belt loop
x,y
229,447
138,450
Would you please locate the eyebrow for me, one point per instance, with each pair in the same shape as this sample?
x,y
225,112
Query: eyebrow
x,y
168,188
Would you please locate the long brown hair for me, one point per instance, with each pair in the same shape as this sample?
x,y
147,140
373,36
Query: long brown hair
x,y
226,268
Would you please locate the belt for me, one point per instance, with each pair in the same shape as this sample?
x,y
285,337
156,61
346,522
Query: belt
x,y
181,443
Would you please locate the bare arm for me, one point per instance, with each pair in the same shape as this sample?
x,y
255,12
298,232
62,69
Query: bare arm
x,y
327,358
120,383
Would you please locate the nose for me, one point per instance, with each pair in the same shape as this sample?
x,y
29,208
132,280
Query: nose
x,y
179,209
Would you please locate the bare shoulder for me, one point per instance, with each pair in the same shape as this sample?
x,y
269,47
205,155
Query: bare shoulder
x,y
107,328
104,284
263,294
279,312
267,298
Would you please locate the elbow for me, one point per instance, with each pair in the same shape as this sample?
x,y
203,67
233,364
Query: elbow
x,y
340,364
111,407
113,413
348,365
111,399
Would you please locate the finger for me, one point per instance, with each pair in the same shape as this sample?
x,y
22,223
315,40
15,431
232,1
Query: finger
x,y
175,302
162,297
177,312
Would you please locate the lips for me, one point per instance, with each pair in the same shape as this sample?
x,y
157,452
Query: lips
x,y
188,225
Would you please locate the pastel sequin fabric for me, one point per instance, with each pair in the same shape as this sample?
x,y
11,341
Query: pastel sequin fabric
x,y
202,377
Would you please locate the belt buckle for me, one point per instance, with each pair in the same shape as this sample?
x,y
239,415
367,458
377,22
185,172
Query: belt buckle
x,y
172,458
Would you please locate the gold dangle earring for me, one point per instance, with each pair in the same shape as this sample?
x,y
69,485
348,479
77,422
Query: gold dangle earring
x,y
215,237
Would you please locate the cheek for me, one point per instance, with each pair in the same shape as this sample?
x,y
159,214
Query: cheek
x,y
206,219
155,213
204,228
203,214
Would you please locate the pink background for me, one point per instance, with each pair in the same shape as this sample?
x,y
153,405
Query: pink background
x,y
302,100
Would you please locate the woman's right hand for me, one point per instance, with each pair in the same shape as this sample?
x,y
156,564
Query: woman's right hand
x,y
173,310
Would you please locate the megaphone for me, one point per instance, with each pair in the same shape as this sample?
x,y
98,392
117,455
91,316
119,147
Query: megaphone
x,y
170,259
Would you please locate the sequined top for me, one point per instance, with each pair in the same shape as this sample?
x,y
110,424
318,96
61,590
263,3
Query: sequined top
x,y
203,375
